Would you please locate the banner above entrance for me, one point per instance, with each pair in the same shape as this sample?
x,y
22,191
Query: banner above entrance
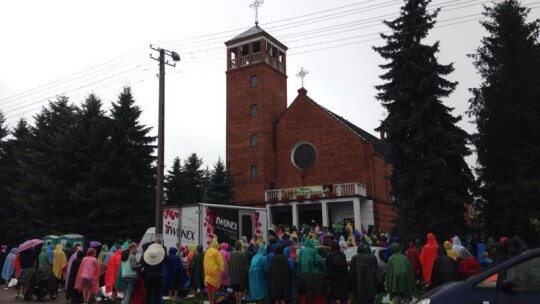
x,y
307,190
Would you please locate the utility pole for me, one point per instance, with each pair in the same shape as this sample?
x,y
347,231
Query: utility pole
x,y
161,131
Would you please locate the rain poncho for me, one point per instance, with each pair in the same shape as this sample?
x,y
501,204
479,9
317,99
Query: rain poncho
x,y
70,263
399,274
59,262
361,277
112,270
445,269
338,273
9,265
308,260
449,251
173,273
50,255
414,258
71,292
292,264
239,269
225,276
428,256
89,270
196,269
280,277
213,265
43,259
102,255
461,251
258,281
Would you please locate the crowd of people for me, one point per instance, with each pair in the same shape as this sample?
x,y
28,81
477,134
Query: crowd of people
x,y
289,267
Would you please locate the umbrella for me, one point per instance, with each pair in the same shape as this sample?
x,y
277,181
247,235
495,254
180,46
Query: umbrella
x,y
94,244
29,244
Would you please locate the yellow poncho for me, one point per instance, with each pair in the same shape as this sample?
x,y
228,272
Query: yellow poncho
x,y
213,265
59,262
451,253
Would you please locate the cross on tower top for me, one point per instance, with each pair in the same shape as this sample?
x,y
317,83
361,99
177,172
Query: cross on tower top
x,y
255,5
302,74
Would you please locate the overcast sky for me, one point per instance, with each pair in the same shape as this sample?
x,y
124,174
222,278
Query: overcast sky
x,y
74,48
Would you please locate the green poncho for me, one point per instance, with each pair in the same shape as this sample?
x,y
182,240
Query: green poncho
x,y
43,259
309,260
399,273
196,269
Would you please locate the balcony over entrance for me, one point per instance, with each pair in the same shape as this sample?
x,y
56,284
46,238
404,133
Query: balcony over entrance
x,y
315,192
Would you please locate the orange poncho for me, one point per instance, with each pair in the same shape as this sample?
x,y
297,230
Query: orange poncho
x,y
112,270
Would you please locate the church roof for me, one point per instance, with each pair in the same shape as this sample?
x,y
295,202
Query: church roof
x,y
379,145
250,32
253,32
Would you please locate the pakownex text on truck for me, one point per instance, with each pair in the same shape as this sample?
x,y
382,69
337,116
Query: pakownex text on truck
x,y
199,223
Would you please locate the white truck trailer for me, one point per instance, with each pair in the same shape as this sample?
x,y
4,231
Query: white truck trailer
x,y
200,223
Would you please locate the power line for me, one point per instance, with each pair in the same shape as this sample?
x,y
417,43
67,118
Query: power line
x,y
121,61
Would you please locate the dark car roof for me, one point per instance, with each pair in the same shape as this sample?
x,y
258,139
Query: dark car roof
x,y
485,274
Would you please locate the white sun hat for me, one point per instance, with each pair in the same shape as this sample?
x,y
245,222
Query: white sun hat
x,y
154,254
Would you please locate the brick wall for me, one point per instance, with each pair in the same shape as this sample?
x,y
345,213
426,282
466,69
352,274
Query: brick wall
x,y
270,95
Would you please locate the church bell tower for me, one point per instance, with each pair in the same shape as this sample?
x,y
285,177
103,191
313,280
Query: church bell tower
x,y
256,99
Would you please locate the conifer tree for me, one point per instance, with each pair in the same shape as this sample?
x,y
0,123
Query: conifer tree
x,y
93,130
130,172
174,184
49,170
506,110
17,151
5,196
430,179
194,180
219,189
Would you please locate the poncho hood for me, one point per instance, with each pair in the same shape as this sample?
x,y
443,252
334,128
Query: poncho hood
x,y
215,244
431,240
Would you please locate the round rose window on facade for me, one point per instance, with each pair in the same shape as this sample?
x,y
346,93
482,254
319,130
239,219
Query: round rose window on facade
x,y
303,155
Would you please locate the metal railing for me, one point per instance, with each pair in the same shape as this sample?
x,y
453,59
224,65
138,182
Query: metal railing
x,y
339,190
255,57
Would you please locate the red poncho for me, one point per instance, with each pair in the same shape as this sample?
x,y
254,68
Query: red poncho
x,y
414,258
112,270
469,267
428,256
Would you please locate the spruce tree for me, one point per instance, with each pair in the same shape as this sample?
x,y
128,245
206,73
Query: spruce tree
x,y
219,189
174,184
17,152
49,171
430,179
130,172
506,110
194,180
93,131
5,168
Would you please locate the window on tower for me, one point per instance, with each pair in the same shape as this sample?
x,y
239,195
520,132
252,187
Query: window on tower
x,y
254,110
253,81
253,140
254,171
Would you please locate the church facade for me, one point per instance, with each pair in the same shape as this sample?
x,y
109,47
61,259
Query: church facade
x,y
304,163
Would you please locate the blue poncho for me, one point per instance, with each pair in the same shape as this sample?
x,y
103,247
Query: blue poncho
x,y
9,266
258,279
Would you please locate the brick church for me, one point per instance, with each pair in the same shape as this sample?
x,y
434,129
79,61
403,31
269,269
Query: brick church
x,y
304,163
